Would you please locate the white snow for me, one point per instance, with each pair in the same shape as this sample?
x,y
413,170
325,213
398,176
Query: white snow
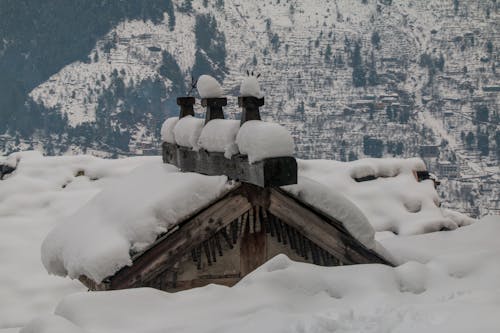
x,y
41,192
335,205
250,87
208,87
260,140
456,290
447,281
255,138
167,129
187,131
219,135
393,202
96,240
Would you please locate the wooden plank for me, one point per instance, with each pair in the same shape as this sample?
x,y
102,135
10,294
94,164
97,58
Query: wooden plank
x,y
190,234
270,172
321,230
253,251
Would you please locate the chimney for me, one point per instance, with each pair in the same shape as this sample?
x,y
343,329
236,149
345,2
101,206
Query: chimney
x,y
250,106
214,108
186,104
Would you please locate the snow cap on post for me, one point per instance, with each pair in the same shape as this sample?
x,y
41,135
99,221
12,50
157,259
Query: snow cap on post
x,y
251,98
211,97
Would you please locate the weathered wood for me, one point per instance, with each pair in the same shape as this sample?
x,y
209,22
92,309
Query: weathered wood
x,y
291,224
250,108
324,231
270,172
214,108
253,251
169,250
186,104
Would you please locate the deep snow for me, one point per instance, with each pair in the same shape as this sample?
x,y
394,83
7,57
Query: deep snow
x,y
451,284
454,291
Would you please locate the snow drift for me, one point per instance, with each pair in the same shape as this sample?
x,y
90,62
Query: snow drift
x,y
455,291
130,214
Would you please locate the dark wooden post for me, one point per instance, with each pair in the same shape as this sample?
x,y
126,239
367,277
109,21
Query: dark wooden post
x,y
214,108
250,106
186,104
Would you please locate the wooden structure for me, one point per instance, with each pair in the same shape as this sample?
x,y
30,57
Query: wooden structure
x,y
243,228
236,234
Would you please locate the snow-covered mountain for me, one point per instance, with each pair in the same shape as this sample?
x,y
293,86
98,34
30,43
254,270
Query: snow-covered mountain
x,y
348,78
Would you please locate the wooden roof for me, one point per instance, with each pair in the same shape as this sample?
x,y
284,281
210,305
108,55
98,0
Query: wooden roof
x,y
249,217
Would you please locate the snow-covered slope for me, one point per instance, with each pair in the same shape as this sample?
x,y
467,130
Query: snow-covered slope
x,y
426,65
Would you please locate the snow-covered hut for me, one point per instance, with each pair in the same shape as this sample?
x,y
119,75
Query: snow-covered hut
x,y
229,197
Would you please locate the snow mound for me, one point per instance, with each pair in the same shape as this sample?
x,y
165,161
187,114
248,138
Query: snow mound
x,y
208,87
394,201
167,129
260,140
128,214
250,87
41,192
219,135
456,292
335,205
187,131
257,139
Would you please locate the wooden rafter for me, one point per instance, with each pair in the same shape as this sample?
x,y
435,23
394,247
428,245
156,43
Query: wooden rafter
x,y
169,250
244,217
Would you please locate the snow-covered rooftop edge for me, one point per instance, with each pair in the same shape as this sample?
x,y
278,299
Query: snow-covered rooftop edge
x,y
134,209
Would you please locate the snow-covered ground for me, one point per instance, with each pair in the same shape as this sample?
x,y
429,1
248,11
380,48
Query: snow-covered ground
x,y
446,281
32,200
454,288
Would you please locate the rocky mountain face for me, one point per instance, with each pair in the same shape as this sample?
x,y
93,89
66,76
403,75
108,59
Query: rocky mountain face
x,y
349,78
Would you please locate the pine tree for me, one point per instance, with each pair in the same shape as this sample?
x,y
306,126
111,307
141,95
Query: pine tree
x,y
358,73
372,72
328,53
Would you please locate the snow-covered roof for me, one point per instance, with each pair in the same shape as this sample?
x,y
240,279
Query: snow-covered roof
x,y
393,202
256,139
131,212
128,215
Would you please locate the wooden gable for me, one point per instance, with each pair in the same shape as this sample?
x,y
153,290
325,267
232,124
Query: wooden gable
x,y
233,236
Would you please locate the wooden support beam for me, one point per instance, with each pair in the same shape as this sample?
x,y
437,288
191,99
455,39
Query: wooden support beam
x,y
169,250
214,108
270,172
250,106
324,231
186,104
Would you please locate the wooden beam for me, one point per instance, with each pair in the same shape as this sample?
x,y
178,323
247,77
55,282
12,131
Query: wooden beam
x,y
324,231
214,108
186,104
169,250
270,172
250,106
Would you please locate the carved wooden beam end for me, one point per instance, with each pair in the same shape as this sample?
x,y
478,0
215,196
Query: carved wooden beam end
x,y
270,172
186,104
214,108
250,106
